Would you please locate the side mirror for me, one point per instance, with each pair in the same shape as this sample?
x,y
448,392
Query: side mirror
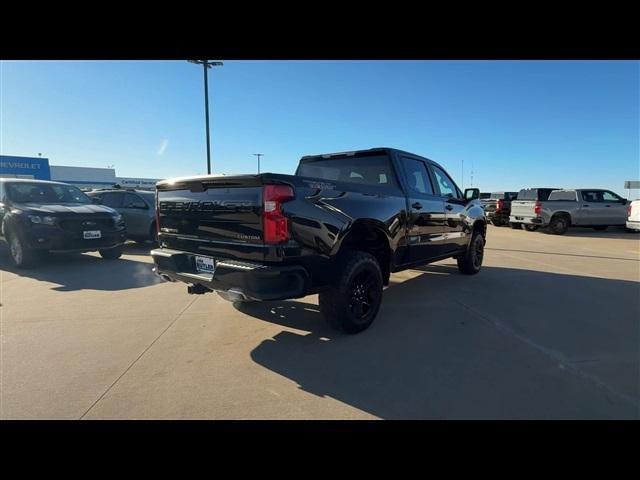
x,y
471,193
96,200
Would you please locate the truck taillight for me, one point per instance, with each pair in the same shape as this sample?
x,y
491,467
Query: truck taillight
x,y
538,208
629,210
499,205
275,224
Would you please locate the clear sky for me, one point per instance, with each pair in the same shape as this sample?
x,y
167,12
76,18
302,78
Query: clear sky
x,y
517,123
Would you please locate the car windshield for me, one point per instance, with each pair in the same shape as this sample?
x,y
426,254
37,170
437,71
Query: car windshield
x,y
45,193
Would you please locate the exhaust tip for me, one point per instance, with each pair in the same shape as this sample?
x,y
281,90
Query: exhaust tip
x,y
233,295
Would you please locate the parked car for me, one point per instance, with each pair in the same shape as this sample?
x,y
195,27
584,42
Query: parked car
x,y
593,208
498,207
526,207
633,216
138,207
38,216
338,227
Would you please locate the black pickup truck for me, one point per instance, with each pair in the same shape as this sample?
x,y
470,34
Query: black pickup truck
x,y
338,227
498,206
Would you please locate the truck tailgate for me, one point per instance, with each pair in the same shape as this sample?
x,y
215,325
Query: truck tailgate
x,y
220,216
523,208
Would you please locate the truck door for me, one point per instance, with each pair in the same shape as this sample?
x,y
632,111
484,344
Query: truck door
x,y
615,209
454,206
591,208
425,213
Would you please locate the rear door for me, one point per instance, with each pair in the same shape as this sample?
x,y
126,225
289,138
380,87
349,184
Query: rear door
x,y
591,208
425,212
454,206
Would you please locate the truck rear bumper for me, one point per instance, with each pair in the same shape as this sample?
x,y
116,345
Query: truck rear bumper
x,y
526,220
633,225
242,279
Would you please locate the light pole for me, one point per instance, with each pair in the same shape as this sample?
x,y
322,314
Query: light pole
x,y
206,65
259,155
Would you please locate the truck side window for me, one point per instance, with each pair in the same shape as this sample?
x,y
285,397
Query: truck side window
x,y
134,201
610,197
417,176
591,196
112,199
445,184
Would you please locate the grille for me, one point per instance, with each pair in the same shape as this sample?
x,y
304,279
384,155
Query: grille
x,y
78,225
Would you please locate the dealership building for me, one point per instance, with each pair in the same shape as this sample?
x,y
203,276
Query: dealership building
x,y
82,177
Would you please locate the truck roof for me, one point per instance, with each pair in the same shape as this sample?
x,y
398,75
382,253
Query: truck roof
x,y
371,151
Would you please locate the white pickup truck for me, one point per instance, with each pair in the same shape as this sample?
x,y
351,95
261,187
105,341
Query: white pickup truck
x,y
525,208
633,216
593,208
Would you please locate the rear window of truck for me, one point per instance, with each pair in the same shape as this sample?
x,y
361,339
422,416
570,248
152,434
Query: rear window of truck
x,y
504,196
563,195
541,194
370,170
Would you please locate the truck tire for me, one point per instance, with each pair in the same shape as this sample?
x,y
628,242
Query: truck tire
x,y
600,227
351,304
112,253
471,262
559,225
515,225
497,222
531,228
21,255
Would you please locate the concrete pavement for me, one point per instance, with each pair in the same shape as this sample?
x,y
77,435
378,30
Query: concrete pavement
x,y
549,329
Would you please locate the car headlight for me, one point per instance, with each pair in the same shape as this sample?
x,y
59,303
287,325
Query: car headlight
x,y
43,220
117,218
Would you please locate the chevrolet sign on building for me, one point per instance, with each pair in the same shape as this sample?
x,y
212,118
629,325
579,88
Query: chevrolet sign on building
x,y
25,167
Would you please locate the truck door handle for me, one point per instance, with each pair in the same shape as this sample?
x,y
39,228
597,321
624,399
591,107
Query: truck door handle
x,y
449,207
417,205
585,206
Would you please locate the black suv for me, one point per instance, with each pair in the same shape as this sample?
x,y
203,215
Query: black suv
x,y
38,216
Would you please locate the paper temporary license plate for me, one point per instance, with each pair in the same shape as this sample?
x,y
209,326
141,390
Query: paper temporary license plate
x,y
205,264
89,234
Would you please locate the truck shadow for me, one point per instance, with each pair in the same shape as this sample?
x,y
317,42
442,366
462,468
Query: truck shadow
x,y
72,272
450,346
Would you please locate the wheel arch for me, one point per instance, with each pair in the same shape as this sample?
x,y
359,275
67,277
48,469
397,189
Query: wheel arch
x,y
370,236
562,213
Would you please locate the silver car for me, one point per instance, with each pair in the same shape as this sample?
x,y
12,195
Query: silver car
x,y
137,207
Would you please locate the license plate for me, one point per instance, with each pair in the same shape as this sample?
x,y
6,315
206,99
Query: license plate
x,y
205,264
89,234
